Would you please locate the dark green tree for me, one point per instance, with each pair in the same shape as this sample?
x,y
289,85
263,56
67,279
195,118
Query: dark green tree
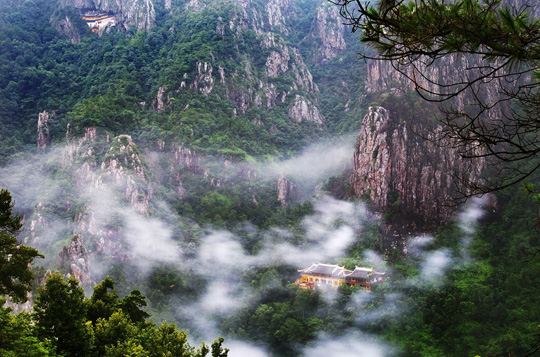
x,y
60,314
218,350
166,340
115,334
18,337
103,302
8,223
15,274
132,305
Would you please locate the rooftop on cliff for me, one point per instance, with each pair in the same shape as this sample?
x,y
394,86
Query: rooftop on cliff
x,y
99,20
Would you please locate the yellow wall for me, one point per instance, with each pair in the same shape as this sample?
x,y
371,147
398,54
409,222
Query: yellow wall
x,y
318,280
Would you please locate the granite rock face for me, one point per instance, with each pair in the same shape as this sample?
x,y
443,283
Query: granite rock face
x,y
43,134
330,31
409,177
406,163
140,14
286,190
283,76
75,259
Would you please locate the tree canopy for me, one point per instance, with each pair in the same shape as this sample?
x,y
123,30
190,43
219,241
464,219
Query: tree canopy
x,y
15,273
494,44
65,323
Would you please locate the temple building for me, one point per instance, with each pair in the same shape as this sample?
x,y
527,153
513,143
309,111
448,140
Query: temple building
x,y
98,21
325,276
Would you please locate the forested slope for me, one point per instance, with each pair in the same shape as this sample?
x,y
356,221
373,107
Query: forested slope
x,y
176,160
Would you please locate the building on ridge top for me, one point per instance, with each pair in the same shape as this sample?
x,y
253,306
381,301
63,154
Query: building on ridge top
x,y
328,275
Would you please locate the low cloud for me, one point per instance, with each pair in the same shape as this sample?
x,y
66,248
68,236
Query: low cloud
x,y
351,345
316,162
245,349
435,265
327,234
220,255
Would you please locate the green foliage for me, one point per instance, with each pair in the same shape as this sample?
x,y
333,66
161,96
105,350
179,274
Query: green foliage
x,y
132,306
60,312
15,274
166,340
60,325
487,307
18,336
103,301
285,318
113,111
8,223
115,334
110,82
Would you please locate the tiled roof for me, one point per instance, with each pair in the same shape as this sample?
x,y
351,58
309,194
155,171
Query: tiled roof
x,y
335,271
325,269
360,273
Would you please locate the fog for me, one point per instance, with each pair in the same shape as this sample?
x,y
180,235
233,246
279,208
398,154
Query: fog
x,y
350,345
39,184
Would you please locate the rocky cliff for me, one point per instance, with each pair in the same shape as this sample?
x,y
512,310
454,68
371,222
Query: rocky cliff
x,y
273,72
410,177
249,61
108,186
75,260
140,14
43,130
259,61
403,163
111,181
329,30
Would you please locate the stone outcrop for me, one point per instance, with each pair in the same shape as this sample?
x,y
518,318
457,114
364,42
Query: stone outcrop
x,y
65,27
75,260
204,80
125,166
188,159
246,86
330,31
440,77
140,14
37,225
302,109
113,181
286,190
275,10
403,173
404,162
277,63
43,134
160,103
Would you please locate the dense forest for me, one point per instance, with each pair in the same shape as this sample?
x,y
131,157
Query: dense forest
x,y
180,179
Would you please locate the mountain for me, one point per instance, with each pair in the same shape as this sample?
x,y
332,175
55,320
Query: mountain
x,y
186,112
191,149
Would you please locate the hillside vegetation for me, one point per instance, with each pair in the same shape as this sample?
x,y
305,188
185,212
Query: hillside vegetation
x,y
171,166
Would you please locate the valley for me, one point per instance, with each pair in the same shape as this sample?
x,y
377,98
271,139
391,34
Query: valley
x,y
200,155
